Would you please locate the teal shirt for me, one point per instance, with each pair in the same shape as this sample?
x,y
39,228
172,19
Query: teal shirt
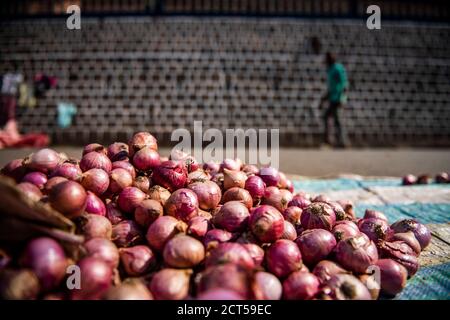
x,y
337,82
65,113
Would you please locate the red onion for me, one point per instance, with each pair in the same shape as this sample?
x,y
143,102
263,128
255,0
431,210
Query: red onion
x,y
266,223
171,284
232,216
375,229
113,213
18,285
409,180
182,204
95,180
292,214
318,215
94,147
270,176
315,245
374,214
283,257
183,252
159,193
267,286
346,287
125,165
208,194
392,275
171,175
345,229
14,169
442,178
277,198
356,253
233,179
118,151
95,160
211,166
44,160
400,252
188,160
371,284
163,229
338,210
146,159
289,232
147,212
197,227
126,234
230,252
30,190
255,251
137,260
230,164
130,289
290,186
69,170
130,198
409,239
141,140
423,179
218,179
95,280
256,187
37,178
219,294
420,231
321,198
69,198
198,175
300,286
326,269
95,226
228,276
47,260
217,235
94,204
283,183
142,183
250,169
238,194
119,179
103,249
348,209
53,182
299,201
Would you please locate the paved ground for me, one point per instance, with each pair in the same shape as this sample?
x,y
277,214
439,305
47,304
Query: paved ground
x,y
324,162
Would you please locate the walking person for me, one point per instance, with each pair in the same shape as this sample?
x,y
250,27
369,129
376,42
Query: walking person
x,y
336,96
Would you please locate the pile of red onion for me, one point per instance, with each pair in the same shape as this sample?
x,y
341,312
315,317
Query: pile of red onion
x,y
171,228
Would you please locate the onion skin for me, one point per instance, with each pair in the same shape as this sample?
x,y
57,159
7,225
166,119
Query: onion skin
x,y
69,198
217,235
233,179
300,286
420,231
95,226
211,166
142,183
94,204
345,229
18,285
69,169
198,176
94,147
266,223
255,251
232,216
141,140
183,251
374,214
53,182
95,180
283,257
113,213
292,214
118,151
47,260
95,160
299,201
230,164
182,204
326,269
409,239
277,198
127,233
315,245
188,160
44,160
393,276
270,176
147,212
37,178
119,179
356,253
95,281
256,187
423,179
125,165
318,215
238,194
137,260
103,249
375,229
442,177
346,287
171,175
289,232
348,209
400,252
219,294
208,194
371,285
409,180
230,252
198,227
159,193
163,229
30,190
14,169
130,289
146,159
250,169
171,284
267,286
130,198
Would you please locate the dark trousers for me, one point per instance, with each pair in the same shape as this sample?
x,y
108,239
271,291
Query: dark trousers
x,y
7,109
334,111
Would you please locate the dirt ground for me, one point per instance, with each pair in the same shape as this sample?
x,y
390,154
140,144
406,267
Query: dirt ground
x,y
327,162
